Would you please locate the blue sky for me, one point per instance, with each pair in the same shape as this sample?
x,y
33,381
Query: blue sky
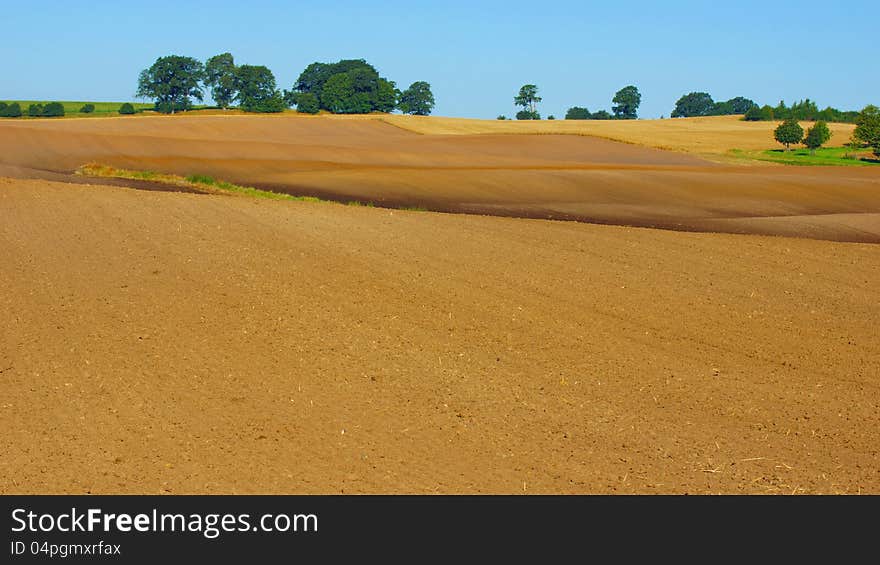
x,y
475,54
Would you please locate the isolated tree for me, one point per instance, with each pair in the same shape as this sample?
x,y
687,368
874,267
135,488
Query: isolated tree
x,y
255,85
35,110
693,104
528,98
501,117
789,132
307,103
868,128
551,117
220,78
126,109
578,113
817,136
11,111
417,99
627,101
53,110
171,81
87,109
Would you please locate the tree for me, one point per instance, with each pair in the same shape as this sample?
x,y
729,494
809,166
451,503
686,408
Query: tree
x,y
868,128
739,105
601,115
220,77
126,109
53,110
11,111
527,98
350,86
87,109
35,110
693,104
307,103
628,100
3,106
789,132
817,136
551,117
255,85
527,115
417,99
578,113
171,81
501,117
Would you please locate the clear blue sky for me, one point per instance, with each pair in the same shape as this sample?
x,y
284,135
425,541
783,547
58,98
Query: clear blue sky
x,y
475,54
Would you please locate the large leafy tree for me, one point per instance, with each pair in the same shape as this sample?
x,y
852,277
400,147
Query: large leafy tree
x,y
350,86
171,81
528,98
627,101
256,89
817,136
788,133
417,99
868,128
694,104
220,77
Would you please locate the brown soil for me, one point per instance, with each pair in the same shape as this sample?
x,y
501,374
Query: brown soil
x,y
183,343
537,176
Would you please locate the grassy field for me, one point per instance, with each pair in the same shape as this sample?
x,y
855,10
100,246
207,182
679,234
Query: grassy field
x,y
835,156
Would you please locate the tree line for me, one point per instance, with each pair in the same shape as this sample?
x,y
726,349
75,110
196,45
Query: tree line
x,y
350,86
866,134
626,105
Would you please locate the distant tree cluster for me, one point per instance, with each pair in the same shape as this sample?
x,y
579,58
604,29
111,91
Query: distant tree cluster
x,y
354,86
345,87
696,104
50,110
626,105
789,132
804,110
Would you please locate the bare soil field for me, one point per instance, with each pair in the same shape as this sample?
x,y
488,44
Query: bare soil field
x,y
476,166
185,343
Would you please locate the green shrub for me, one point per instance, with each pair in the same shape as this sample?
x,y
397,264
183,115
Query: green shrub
x,y
753,115
578,113
11,111
53,110
35,110
501,117
87,109
126,109
2,106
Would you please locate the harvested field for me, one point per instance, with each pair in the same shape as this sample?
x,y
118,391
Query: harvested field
x,y
185,343
480,169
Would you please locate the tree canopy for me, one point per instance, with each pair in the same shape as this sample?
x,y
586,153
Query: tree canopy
x,y
817,136
627,101
171,81
578,113
693,104
220,78
528,98
256,89
789,132
350,86
868,128
417,99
